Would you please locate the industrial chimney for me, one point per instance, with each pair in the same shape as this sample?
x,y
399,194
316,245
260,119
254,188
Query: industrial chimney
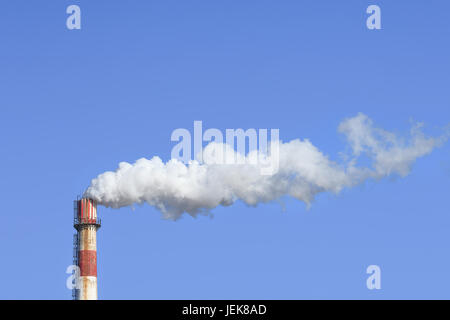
x,y
85,248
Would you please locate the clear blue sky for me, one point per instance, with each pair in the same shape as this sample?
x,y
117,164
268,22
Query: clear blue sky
x,y
76,103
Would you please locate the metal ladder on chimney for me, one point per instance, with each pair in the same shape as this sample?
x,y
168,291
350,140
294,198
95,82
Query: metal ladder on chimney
x,y
75,261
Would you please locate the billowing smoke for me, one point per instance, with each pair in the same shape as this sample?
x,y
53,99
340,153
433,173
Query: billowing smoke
x,y
303,171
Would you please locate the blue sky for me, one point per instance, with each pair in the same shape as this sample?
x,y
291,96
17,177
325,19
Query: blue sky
x,y
76,103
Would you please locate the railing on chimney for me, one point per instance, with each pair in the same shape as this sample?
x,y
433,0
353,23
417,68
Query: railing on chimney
x,y
77,221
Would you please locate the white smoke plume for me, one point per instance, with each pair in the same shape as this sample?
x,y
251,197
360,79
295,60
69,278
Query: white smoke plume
x,y
304,171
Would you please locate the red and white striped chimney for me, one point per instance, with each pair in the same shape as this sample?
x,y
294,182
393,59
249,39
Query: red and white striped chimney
x,y
86,223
